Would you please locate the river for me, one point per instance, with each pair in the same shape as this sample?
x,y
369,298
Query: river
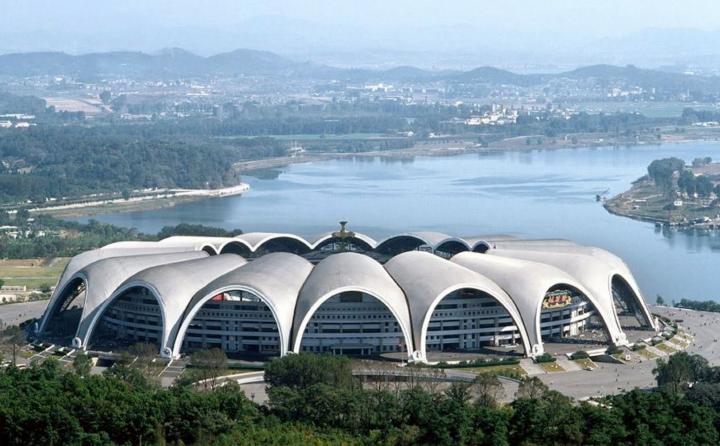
x,y
533,194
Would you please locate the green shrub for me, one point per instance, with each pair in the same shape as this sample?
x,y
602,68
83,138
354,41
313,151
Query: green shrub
x,y
482,362
545,357
613,350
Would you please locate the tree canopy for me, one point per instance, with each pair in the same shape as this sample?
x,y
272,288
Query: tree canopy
x,y
315,400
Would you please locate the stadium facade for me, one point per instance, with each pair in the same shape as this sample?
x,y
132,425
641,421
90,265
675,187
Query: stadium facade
x,y
342,292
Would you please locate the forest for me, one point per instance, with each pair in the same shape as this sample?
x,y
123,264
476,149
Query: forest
x,y
80,237
315,400
66,157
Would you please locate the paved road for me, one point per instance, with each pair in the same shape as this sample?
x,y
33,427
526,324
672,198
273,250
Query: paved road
x,y
13,314
615,378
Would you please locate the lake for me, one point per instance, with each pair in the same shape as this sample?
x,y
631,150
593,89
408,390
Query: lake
x,y
534,194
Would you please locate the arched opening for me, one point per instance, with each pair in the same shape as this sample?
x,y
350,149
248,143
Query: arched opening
x,y
402,243
64,316
210,250
468,320
335,244
353,323
449,248
481,247
568,318
134,316
236,321
282,244
236,248
627,305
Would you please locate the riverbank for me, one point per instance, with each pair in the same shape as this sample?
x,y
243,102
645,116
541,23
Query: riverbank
x,y
460,145
145,200
443,146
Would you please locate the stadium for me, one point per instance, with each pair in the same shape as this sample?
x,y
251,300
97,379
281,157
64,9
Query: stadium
x,y
408,296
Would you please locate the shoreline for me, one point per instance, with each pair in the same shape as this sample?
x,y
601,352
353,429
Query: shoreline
x,y
642,202
446,147
465,147
155,200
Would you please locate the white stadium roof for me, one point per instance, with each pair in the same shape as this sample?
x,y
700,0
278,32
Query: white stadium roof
x,y
182,273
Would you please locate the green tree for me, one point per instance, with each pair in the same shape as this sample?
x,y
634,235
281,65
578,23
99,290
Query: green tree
x,y
305,369
680,371
531,388
209,365
547,419
687,182
703,186
105,97
82,364
662,171
489,389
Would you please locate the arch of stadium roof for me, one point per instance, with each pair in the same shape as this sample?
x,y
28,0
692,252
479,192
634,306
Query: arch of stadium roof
x,y
427,279
527,283
534,244
615,266
173,285
103,277
641,310
235,246
365,242
130,244
452,246
413,240
86,258
345,272
483,243
75,288
478,244
593,273
259,277
256,240
212,245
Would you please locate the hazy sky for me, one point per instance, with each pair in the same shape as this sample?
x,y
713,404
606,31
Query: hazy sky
x,y
602,17
315,26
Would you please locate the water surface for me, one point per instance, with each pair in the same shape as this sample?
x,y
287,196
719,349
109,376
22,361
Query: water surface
x,y
538,194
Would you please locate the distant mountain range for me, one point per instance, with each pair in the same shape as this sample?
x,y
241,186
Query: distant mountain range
x,y
176,62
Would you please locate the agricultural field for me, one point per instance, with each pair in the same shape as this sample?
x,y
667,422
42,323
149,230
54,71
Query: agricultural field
x,y
33,273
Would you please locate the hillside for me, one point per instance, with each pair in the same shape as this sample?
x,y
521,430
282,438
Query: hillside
x,y
176,62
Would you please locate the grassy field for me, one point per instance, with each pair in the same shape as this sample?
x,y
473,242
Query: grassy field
x,y
331,137
551,367
649,109
510,370
645,353
666,348
678,342
32,273
585,363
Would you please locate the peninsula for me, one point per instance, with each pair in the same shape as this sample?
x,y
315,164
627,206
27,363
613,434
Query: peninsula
x,y
674,194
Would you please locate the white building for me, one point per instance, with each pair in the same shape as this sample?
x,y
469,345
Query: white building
x,y
341,292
